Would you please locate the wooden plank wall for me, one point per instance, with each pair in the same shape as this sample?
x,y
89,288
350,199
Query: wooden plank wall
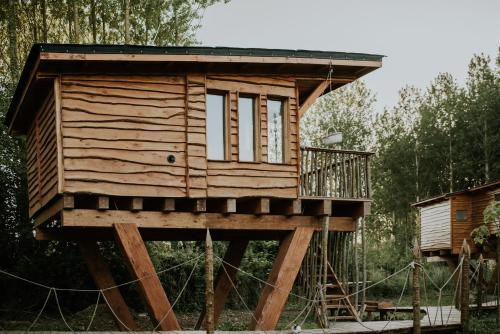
x,y
41,156
461,229
118,131
196,136
435,229
238,179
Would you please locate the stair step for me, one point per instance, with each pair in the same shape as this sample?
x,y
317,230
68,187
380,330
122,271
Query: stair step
x,y
335,296
337,306
341,317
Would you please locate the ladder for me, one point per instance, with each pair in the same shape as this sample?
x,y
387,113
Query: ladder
x,y
335,303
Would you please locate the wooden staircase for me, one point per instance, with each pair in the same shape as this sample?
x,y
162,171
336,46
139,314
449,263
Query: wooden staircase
x,y
336,306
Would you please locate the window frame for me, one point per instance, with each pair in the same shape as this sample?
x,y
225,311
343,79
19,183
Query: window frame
x,y
285,104
257,134
226,123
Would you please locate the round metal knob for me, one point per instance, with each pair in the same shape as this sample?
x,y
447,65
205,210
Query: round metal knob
x,y
171,158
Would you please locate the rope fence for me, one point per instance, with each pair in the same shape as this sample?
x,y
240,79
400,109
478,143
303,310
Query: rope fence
x,y
303,314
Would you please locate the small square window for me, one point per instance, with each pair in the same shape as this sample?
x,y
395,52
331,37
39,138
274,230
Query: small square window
x,y
461,215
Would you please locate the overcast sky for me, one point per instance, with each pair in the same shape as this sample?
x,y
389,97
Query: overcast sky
x,y
420,38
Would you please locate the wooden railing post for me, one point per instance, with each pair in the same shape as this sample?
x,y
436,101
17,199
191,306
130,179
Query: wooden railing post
x,y
464,315
209,284
479,287
416,288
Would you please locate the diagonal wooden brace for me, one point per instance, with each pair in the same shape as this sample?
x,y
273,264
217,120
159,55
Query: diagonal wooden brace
x,y
223,286
281,279
141,267
103,280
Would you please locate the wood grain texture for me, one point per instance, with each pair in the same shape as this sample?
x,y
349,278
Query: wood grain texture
x,y
281,279
42,156
195,118
118,132
141,267
103,279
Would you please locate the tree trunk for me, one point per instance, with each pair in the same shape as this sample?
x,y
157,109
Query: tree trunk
x,y
127,21
34,5
103,20
12,18
76,21
93,21
486,155
209,284
43,7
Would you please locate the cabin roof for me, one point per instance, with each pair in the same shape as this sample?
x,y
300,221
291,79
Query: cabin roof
x,y
436,199
45,60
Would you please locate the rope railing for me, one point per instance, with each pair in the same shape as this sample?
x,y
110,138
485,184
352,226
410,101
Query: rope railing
x,y
311,303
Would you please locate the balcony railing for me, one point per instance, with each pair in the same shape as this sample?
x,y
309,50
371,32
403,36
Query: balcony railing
x,y
334,173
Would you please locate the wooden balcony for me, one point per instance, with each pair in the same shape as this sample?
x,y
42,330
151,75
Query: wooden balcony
x,y
337,174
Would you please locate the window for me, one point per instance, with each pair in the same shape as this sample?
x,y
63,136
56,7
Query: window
x,y
216,126
246,128
275,131
461,215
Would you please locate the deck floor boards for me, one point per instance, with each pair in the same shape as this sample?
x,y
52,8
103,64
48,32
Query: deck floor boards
x,y
437,320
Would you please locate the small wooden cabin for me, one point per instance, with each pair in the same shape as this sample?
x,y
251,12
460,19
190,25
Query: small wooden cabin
x,y
162,143
446,220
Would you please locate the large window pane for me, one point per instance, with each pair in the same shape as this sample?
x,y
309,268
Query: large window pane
x,y
275,131
246,130
216,141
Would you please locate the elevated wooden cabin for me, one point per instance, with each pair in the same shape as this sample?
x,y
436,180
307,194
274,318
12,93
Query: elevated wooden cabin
x,y
446,220
162,143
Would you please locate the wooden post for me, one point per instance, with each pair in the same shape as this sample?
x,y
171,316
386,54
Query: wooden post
x,y
225,278
141,267
497,270
464,315
479,287
209,284
416,288
281,279
356,267
324,252
102,278
363,265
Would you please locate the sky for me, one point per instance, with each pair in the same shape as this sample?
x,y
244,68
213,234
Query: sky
x,y
419,38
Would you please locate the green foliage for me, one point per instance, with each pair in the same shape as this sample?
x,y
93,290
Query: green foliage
x,y
491,214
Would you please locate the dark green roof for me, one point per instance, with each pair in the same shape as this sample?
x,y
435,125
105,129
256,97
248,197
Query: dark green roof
x,y
201,50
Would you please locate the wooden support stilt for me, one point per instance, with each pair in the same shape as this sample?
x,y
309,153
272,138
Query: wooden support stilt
x,y
416,288
324,253
281,279
479,286
102,278
209,284
226,275
464,314
141,267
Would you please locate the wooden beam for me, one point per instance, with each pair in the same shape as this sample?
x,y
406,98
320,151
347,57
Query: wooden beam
x,y
313,96
102,278
102,203
68,202
226,275
281,279
49,212
168,205
141,267
206,58
189,220
136,204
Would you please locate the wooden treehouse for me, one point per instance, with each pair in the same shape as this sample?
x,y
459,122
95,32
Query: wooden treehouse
x,y
162,143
